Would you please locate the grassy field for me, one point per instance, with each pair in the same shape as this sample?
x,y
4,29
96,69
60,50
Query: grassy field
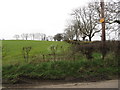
x,y
75,67
12,49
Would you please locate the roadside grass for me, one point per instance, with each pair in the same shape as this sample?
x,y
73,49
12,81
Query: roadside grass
x,y
60,70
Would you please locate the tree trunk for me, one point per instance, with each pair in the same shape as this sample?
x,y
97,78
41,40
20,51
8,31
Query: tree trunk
x,y
90,38
26,38
84,38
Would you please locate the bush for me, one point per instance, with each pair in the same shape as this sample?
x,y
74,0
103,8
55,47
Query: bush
x,y
25,52
87,48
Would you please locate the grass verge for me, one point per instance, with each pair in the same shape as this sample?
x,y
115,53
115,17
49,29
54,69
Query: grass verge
x,y
82,70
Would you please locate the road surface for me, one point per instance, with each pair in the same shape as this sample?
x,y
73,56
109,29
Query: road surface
x,y
100,84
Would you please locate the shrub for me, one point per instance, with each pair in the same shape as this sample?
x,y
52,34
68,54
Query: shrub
x,y
87,48
25,51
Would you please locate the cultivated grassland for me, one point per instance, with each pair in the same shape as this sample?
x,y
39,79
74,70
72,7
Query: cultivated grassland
x,y
12,49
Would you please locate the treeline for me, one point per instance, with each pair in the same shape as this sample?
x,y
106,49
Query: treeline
x,y
39,36
33,36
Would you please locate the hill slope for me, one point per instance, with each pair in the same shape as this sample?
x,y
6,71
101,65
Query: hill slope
x,y
12,49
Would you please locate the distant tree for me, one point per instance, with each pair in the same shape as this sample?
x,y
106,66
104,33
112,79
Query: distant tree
x,y
16,36
44,36
25,36
32,35
58,37
37,36
50,38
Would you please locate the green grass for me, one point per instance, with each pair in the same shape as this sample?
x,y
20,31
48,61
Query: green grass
x,y
15,68
12,49
60,70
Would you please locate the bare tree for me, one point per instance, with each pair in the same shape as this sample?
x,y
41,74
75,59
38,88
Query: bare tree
x,y
37,36
86,18
76,30
69,33
16,36
25,36
78,27
113,11
50,38
43,36
32,35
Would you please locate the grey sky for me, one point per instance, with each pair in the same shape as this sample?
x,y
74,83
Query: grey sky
x,y
35,16
32,16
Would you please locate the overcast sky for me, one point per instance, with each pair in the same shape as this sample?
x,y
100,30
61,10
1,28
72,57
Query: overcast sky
x,y
35,16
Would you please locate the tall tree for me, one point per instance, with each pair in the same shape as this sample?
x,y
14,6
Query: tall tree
x,y
86,19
